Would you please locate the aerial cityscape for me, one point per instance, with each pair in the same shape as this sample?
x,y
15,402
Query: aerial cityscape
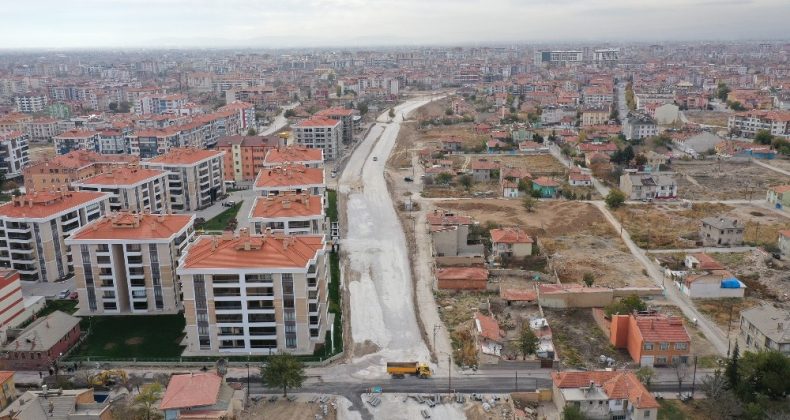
x,y
322,215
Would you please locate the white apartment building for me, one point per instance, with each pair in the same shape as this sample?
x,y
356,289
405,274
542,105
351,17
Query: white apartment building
x,y
251,294
132,188
71,140
160,103
13,153
750,122
311,158
319,133
43,129
639,126
33,228
125,263
290,178
289,213
194,179
31,103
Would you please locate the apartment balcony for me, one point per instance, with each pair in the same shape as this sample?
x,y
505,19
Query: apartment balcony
x,y
226,292
10,228
224,306
19,238
139,294
258,304
23,257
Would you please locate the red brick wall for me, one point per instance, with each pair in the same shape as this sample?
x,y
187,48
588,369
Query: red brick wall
x,y
463,284
41,359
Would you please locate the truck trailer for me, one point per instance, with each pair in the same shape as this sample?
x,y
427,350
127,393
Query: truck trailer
x,y
401,369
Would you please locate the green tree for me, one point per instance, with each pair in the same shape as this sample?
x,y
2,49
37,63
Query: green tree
x,y
722,91
615,198
527,341
625,306
147,399
392,113
113,106
588,279
362,107
763,137
529,203
338,91
524,185
466,181
251,132
571,412
448,111
764,373
289,113
444,178
645,375
283,370
2,180
640,160
731,372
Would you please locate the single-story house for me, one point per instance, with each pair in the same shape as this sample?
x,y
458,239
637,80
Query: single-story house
x,y
714,284
546,186
483,169
511,242
490,336
43,342
579,179
779,197
462,278
604,395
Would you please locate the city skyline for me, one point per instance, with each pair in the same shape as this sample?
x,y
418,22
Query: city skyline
x,y
356,23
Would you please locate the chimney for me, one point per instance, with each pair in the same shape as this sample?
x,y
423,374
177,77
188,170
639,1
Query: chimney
x,y
286,203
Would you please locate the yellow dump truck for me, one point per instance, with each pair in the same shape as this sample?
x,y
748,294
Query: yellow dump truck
x,y
401,369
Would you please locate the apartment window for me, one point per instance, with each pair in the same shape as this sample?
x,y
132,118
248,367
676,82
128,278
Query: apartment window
x,y
661,360
664,346
647,413
88,272
681,346
648,346
201,310
159,302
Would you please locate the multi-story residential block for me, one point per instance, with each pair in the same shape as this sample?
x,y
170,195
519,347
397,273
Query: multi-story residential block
x,y
125,263
765,327
290,178
13,153
721,231
597,96
35,225
31,103
649,186
131,188
595,116
639,126
113,142
194,179
346,118
12,305
604,395
69,141
281,156
554,57
42,129
244,155
160,103
319,133
59,172
254,294
289,213
243,113
750,122
651,340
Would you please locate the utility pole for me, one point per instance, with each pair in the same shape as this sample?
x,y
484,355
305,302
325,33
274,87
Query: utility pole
x,y
694,377
449,374
729,326
516,381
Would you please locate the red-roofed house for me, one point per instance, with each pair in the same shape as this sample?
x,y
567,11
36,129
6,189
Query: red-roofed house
x,y
462,278
511,242
651,340
131,188
203,396
579,179
490,336
482,169
604,395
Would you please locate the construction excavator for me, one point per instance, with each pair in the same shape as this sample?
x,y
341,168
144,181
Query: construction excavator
x,y
109,377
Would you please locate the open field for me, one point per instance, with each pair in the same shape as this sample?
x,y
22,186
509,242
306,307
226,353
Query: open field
x,y
464,131
574,234
433,109
666,226
41,151
156,336
536,164
408,138
579,341
679,410
725,180
718,118
781,163
282,409
764,278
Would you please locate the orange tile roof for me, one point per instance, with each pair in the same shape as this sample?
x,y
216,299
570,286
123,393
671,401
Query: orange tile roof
x,y
462,273
191,390
546,182
517,295
264,251
81,158
289,175
76,134
706,262
185,156
779,189
293,154
39,205
123,176
510,236
317,122
287,205
125,225
489,328
618,385
10,135
5,375
344,112
658,328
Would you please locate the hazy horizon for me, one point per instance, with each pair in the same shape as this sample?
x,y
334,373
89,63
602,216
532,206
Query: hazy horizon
x,y
159,24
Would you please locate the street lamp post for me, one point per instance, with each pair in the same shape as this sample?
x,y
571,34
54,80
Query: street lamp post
x,y
248,377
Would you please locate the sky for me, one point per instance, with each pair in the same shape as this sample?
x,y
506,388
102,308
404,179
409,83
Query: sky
x,y
360,23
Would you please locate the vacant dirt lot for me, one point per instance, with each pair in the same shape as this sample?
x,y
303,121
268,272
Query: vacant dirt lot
x,y
579,341
708,117
574,234
709,180
283,409
408,138
667,226
764,278
781,163
538,164
41,152
465,132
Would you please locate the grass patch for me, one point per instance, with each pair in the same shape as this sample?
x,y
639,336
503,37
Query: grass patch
x,y
68,306
334,301
671,410
220,221
331,206
144,337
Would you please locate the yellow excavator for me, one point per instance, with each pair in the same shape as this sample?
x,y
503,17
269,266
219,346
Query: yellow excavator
x,y
109,377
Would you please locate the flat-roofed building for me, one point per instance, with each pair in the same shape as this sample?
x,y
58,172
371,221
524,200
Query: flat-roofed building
x,y
290,178
244,155
69,141
60,171
132,188
194,179
13,153
254,294
319,133
33,228
346,118
125,263
294,155
12,305
289,213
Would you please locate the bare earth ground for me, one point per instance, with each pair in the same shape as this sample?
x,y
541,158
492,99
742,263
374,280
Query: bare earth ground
x,y
709,180
408,137
574,234
708,117
433,109
283,409
579,341
764,278
41,151
665,226
463,131
539,164
781,163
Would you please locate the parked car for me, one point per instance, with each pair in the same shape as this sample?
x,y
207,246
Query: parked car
x,y
375,158
230,203
64,294
408,179
74,295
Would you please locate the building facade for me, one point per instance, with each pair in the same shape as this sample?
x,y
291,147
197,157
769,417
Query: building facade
x,y
721,231
319,133
125,263
131,188
194,177
252,294
289,213
290,178
59,172
245,155
765,328
33,228
651,340
13,153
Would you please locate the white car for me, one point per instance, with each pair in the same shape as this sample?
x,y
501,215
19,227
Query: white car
x,y
375,158
64,294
